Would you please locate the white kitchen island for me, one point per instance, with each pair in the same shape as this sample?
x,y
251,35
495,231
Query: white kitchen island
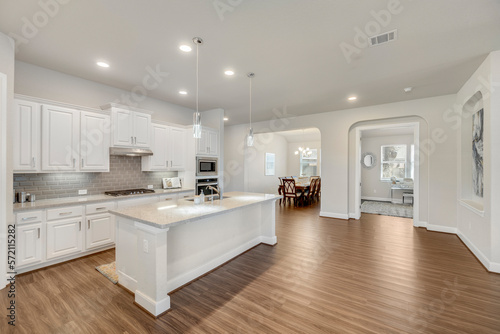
x,y
162,246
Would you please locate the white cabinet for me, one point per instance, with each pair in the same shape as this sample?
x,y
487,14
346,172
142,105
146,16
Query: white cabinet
x,y
100,230
130,128
208,144
169,149
29,244
60,138
64,237
26,136
94,142
177,148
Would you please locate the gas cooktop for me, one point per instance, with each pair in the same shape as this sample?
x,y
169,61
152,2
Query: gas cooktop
x,y
128,192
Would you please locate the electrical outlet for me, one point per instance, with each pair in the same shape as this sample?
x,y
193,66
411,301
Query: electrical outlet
x,y
150,186
145,246
82,192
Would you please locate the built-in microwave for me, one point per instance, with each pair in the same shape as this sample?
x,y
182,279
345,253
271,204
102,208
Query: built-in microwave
x,y
206,166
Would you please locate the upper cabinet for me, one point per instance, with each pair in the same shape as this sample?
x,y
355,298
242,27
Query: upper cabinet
x,y
26,136
169,146
94,142
130,128
60,138
208,144
48,138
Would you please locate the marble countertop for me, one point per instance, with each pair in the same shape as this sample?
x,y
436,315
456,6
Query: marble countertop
x,y
163,215
81,200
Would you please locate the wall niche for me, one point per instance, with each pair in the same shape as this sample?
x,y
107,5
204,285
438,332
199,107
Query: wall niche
x,y
472,167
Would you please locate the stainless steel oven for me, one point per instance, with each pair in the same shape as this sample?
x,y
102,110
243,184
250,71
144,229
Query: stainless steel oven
x,y
206,166
202,184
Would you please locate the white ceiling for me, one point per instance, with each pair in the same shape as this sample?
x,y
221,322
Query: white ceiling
x,y
293,46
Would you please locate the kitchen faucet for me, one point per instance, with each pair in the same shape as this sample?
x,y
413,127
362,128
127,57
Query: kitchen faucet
x,y
217,190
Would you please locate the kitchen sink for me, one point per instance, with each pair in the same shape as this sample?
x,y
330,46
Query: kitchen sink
x,y
208,198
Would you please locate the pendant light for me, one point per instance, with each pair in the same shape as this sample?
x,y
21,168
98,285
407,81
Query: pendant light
x,y
197,115
250,132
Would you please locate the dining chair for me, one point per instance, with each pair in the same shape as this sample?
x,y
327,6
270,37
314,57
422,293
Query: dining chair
x,y
317,194
280,187
309,195
290,192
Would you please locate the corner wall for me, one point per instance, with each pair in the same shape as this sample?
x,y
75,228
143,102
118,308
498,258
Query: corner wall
x,y
6,188
479,227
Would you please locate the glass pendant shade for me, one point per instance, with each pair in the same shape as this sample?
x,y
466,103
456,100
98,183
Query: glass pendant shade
x,y
197,125
250,138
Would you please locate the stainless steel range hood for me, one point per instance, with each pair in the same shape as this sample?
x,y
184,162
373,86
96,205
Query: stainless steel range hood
x,y
130,152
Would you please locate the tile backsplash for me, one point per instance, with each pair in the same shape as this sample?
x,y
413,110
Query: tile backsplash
x,y
124,173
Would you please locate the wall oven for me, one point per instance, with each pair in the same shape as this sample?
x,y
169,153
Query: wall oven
x,y
206,166
202,184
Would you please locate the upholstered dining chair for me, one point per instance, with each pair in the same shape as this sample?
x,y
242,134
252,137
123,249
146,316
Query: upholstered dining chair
x,y
309,195
290,192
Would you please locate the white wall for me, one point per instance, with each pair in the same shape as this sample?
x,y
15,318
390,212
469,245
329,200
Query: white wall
x,y
479,227
255,178
335,127
294,160
6,187
371,185
40,82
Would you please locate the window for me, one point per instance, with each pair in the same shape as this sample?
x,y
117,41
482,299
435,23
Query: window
x,y
309,162
393,162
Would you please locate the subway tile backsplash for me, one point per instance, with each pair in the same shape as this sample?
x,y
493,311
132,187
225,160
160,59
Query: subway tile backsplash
x,y
124,173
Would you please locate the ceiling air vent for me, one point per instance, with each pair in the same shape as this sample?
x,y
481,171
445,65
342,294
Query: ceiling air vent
x,y
384,38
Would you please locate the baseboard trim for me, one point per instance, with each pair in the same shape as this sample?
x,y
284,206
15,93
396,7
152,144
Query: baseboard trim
x,y
490,266
343,216
420,224
352,215
440,228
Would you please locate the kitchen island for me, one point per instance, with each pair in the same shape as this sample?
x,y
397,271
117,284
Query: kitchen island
x,y
162,246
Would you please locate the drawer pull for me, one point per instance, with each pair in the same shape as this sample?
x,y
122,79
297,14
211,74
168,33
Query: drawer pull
x,y
28,218
89,224
168,199
101,208
65,213
79,225
38,233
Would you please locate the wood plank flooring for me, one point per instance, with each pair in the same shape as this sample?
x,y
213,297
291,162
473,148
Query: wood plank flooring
x,y
375,275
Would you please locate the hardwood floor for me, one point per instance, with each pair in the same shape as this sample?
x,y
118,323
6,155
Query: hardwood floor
x,y
375,275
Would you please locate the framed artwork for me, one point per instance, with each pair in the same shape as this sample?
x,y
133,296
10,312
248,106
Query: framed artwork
x,y
477,152
270,167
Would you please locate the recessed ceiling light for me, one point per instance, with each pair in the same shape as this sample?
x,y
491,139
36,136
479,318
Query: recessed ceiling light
x,y
226,119
352,98
102,64
408,89
185,48
229,72
183,92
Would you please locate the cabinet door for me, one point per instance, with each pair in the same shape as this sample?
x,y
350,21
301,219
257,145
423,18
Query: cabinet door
x,y
29,244
60,138
159,160
64,237
177,148
121,122
201,143
100,231
26,136
94,142
142,128
213,142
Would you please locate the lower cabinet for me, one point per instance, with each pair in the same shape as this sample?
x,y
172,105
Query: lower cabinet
x,y
29,244
100,230
64,237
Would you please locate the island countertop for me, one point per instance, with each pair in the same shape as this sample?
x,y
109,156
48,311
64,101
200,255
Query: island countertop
x,y
165,215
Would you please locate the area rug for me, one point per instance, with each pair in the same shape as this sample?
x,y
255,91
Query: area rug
x,y
109,271
387,209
